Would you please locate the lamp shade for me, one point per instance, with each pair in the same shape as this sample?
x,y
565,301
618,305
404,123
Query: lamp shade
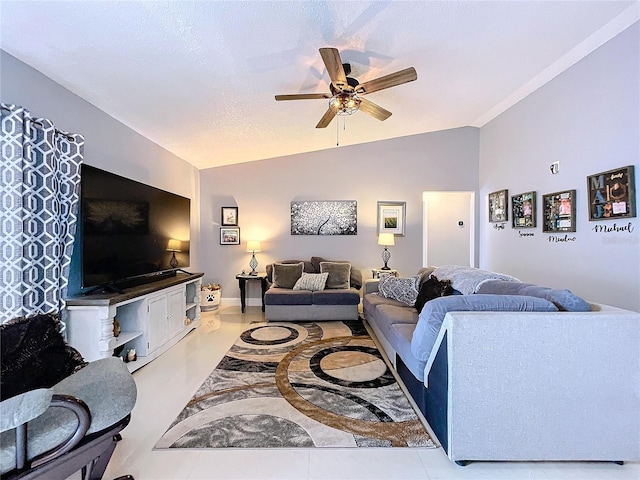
x,y
253,246
386,239
174,245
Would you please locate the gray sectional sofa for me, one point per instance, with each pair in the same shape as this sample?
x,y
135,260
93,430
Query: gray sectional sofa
x,y
513,371
339,300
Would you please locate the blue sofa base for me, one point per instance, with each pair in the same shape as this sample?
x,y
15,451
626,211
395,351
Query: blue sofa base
x,y
431,401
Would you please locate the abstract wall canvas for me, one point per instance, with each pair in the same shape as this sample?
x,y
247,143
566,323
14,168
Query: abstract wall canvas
x,y
324,218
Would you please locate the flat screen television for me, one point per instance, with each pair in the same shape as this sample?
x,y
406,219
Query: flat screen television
x,y
126,228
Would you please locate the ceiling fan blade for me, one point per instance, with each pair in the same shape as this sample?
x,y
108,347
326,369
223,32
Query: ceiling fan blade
x,y
331,59
391,80
326,119
303,96
374,110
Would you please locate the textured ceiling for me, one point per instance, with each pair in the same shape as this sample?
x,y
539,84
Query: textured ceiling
x,y
199,78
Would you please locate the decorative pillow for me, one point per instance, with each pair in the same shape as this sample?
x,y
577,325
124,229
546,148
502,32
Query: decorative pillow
x,y
404,290
286,275
311,281
563,299
339,274
355,279
433,288
434,311
308,267
33,355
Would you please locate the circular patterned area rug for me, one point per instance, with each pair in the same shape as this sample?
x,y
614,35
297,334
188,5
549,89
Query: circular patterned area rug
x,y
286,385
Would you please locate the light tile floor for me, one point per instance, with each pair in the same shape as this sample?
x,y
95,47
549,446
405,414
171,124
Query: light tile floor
x,y
166,385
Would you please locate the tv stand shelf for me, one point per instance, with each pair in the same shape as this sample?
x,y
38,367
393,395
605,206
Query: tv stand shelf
x,y
153,317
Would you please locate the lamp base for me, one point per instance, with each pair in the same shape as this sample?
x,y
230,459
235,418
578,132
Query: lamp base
x,y
385,268
174,261
252,273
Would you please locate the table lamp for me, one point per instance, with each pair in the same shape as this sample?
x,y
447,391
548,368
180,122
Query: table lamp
x,y
387,240
253,246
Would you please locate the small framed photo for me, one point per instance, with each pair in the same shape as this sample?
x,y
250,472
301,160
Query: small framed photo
x,y
523,209
230,236
612,194
559,212
229,217
498,208
392,217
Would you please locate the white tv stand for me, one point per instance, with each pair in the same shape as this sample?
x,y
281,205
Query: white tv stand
x,y
153,317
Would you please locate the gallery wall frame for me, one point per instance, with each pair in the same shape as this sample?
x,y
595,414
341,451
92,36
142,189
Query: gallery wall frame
x,y
392,217
230,236
612,194
324,217
523,210
559,211
229,216
499,206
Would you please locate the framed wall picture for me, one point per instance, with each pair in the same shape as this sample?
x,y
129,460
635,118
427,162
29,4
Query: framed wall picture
x,y
229,217
498,208
523,210
559,212
392,217
612,194
230,236
324,217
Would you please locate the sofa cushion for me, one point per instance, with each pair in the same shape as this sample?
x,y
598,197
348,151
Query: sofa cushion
x,y
311,281
286,275
287,296
434,311
339,274
404,290
467,280
563,299
34,355
336,297
355,279
399,336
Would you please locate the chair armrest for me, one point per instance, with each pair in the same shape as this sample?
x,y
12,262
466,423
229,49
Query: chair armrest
x,y
24,407
370,286
81,411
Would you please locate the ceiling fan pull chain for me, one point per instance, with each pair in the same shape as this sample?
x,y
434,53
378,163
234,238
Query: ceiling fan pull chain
x,y
338,132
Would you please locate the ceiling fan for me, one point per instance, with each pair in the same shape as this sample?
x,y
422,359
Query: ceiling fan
x,y
346,95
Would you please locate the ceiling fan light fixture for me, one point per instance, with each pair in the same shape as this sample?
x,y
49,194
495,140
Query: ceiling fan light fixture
x,y
344,103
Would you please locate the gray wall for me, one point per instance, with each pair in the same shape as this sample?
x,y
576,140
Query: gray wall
x,y
393,170
588,119
109,144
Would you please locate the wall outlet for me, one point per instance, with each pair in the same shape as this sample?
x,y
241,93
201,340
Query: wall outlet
x,y
555,168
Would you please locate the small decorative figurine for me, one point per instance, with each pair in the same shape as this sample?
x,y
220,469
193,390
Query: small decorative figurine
x,y
131,355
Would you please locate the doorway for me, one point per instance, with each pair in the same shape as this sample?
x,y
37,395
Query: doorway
x,y
448,228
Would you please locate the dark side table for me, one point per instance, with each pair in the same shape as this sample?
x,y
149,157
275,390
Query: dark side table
x,y
242,283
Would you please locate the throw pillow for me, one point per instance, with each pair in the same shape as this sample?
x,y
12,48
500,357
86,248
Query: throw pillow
x,y
404,290
311,281
286,275
33,355
432,288
355,279
339,274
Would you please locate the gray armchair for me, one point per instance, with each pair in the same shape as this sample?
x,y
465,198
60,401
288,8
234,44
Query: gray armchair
x,y
59,415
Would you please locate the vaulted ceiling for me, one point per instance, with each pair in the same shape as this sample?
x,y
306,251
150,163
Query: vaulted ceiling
x,y
199,78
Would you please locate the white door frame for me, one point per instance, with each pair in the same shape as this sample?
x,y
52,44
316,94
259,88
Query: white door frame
x,y
472,226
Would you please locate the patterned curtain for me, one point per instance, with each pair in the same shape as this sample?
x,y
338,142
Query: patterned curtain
x,y
40,183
